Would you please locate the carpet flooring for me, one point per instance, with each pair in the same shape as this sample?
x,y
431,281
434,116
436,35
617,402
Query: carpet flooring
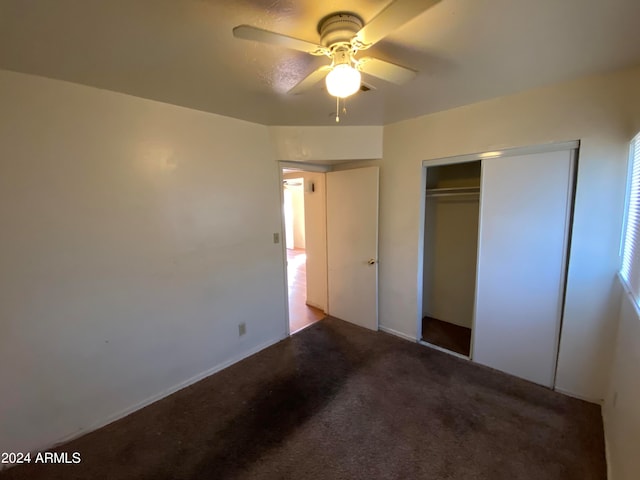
x,y
447,335
339,402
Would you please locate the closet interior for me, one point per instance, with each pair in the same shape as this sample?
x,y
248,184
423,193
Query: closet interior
x,y
450,255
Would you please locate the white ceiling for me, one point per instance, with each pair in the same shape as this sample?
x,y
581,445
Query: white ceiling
x,y
183,52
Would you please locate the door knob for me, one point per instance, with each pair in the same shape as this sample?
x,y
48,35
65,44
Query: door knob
x,y
372,261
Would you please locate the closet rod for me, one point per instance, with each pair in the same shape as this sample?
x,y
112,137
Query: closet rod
x,y
457,194
440,192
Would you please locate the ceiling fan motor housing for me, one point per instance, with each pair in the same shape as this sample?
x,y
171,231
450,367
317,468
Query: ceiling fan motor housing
x,y
339,28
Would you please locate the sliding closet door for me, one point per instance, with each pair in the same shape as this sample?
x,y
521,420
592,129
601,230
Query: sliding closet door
x,y
521,263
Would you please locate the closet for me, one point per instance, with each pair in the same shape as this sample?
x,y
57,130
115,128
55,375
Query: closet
x,y
450,255
497,229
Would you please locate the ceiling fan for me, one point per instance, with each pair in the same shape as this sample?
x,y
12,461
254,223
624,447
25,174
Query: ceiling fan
x,y
342,36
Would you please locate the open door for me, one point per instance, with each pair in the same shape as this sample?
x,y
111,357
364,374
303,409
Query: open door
x,y
352,245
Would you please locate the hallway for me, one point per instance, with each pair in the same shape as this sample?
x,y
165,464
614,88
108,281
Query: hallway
x,y
300,314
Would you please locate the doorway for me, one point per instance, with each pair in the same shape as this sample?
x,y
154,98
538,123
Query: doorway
x,y
304,220
450,255
339,260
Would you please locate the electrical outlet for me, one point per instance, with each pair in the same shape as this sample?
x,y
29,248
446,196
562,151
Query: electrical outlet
x,y
242,329
276,238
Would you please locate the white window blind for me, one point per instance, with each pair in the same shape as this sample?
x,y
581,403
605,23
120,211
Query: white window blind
x,y
631,251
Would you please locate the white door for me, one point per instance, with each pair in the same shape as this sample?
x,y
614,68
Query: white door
x,y
352,245
521,263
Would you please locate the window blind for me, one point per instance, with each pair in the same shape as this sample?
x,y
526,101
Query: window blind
x,y
630,270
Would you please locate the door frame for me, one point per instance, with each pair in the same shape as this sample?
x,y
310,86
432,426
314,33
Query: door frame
x,y
423,204
303,167
573,145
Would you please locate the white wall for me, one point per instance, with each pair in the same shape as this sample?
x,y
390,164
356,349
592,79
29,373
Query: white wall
x,y
287,197
294,211
297,198
622,407
594,110
129,253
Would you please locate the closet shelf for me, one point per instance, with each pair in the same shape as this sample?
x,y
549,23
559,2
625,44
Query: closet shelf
x,y
441,192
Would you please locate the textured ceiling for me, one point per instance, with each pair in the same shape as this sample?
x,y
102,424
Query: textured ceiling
x,y
183,52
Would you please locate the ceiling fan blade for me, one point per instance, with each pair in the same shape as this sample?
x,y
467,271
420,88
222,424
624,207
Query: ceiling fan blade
x,y
386,70
311,79
396,14
248,32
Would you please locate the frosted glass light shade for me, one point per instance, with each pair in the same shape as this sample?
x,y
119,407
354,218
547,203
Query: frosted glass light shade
x,y
343,80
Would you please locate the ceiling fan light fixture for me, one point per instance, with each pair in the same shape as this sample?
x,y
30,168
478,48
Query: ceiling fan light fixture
x,y
342,36
343,81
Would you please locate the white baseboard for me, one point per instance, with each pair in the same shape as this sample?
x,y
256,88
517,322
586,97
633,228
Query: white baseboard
x,y
391,331
315,305
597,401
154,398
607,451
304,327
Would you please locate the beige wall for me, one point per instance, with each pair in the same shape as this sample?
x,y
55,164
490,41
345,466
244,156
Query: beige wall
x,y
298,215
450,259
129,253
593,110
297,201
622,407
326,144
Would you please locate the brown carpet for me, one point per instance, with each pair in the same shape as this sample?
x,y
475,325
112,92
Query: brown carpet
x,y
446,335
340,402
